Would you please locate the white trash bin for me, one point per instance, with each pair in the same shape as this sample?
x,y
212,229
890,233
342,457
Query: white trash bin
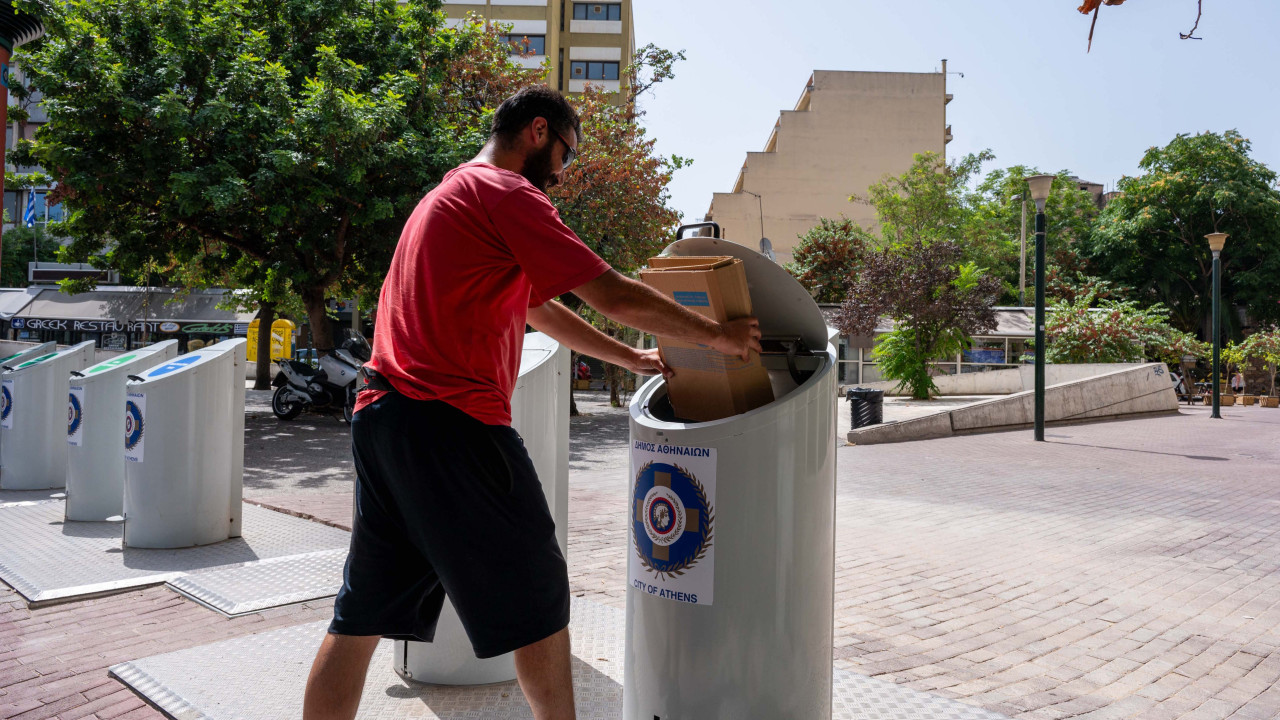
x,y
540,413
33,431
95,426
731,531
184,443
9,363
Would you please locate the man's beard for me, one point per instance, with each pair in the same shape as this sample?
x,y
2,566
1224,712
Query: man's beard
x,y
537,168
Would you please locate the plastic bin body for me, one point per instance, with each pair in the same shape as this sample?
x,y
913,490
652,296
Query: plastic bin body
x,y
6,397
540,413
184,447
33,432
866,407
95,432
743,630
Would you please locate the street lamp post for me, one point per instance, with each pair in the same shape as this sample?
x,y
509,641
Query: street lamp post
x,y
1040,185
1022,255
1216,241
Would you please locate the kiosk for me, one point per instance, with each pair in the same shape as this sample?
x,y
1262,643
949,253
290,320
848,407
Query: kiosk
x,y
95,428
540,413
184,447
731,530
33,428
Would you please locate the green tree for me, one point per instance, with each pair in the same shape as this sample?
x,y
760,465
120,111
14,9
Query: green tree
x,y
936,301
928,202
1090,330
1151,237
21,246
992,229
615,197
1264,347
828,256
297,134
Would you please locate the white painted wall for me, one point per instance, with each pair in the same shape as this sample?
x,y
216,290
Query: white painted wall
x,y
578,86
603,27
581,52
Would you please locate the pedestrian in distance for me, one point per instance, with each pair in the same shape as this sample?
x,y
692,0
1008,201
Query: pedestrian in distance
x,y
447,499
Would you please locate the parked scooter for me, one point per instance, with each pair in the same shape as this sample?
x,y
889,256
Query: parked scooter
x,y
334,384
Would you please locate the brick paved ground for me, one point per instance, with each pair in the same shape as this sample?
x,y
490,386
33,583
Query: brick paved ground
x,y
1121,570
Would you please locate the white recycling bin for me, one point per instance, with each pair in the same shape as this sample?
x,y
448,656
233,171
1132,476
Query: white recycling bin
x,y
184,447
540,413
10,362
732,528
95,426
33,431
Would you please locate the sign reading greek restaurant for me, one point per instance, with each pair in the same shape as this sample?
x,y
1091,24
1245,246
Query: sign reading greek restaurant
x,y
111,326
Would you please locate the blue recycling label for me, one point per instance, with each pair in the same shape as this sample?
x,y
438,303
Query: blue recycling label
x,y
692,299
176,364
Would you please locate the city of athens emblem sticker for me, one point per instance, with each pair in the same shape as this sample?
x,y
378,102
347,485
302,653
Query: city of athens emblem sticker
x,y
673,524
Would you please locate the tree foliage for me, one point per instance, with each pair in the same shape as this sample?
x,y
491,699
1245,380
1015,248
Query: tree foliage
x,y
828,256
936,301
615,197
21,246
1095,6
992,229
928,201
1089,330
1152,237
297,134
1264,347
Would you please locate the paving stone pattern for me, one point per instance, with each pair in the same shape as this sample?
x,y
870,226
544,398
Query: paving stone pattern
x,y
1121,570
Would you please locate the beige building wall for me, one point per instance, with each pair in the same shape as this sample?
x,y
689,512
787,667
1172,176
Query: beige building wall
x,y
566,39
848,130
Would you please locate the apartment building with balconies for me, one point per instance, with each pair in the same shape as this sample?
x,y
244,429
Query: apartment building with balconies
x,y
585,42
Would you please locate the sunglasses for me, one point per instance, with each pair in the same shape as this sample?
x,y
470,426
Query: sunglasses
x,y
569,153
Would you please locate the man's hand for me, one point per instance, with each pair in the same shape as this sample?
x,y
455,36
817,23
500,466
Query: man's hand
x,y
648,362
739,337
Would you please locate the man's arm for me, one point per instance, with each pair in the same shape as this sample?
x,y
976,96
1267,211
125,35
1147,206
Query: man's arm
x,y
568,328
637,305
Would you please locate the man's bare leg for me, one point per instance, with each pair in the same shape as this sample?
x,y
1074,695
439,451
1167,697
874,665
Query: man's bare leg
x,y
546,678
337,677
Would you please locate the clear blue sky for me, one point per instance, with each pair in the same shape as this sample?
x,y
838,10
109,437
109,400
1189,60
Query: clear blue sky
x,y
1030,93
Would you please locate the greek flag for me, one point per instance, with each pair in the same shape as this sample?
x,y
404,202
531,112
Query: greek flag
x,y
29,218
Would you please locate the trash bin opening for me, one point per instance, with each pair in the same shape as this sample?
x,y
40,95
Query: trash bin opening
x,y
780,377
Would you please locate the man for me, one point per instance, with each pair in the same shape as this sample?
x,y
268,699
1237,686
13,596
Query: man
x,y
447,500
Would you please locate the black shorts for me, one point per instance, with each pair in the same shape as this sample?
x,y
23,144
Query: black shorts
x,y
447,505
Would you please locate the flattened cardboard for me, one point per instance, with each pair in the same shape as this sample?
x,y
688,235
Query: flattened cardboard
x,y
708,385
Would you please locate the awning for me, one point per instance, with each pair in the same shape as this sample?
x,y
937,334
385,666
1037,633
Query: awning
x,y
132,309
11,302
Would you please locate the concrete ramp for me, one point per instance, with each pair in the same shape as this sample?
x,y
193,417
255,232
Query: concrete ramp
x,y
1135,390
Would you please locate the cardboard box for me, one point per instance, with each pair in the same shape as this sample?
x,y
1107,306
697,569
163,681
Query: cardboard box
x,y
708,385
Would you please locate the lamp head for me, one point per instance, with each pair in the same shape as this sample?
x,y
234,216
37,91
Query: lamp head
x,y
1040,185
1216,241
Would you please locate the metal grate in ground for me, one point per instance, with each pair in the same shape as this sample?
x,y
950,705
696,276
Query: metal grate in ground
x,y
48,559
265,584
262,676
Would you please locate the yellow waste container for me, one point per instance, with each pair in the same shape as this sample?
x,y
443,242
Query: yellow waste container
x,y
281,339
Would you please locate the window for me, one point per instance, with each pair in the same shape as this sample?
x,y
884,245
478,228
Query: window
x,y
11,206
536,44
592,70
597,11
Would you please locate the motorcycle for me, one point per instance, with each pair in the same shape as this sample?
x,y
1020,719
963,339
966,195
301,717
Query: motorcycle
x,y
300,385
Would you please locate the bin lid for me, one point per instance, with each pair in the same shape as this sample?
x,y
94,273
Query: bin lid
x,y
783,305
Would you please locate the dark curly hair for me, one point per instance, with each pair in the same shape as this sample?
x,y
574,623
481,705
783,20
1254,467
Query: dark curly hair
x,y
535,101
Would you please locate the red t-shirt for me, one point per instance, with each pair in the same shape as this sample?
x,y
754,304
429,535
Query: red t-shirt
x,y
479,250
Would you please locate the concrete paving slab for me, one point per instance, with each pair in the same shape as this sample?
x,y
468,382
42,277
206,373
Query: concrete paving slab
x,y
48,559
262,677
